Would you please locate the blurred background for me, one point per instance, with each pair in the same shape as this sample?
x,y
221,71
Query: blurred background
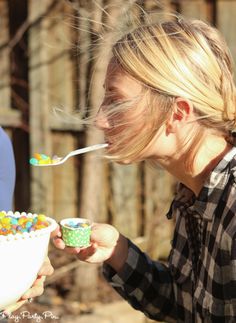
x,y
53,57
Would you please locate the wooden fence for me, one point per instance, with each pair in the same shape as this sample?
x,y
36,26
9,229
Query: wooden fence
x,y
48,51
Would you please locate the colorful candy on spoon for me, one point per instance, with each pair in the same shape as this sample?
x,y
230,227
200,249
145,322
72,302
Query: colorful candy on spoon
x,y
44,160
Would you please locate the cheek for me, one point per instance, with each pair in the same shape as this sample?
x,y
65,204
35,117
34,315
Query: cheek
x,y
117,121
125,132
126,127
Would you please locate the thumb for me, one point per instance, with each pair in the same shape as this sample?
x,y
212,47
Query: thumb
x,y
104,234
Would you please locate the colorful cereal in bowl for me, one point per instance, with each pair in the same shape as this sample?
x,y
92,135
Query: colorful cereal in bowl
x,y
24,239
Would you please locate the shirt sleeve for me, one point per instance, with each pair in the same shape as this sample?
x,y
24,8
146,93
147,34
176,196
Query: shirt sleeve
x,y
145,284
7,172
231,287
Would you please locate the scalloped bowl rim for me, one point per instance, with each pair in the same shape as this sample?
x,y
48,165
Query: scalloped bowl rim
x,y
25,235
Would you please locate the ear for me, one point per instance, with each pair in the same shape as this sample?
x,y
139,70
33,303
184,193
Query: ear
x,y
181,113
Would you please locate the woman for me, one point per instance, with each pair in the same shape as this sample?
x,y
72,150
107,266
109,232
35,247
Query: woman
x,y
170,99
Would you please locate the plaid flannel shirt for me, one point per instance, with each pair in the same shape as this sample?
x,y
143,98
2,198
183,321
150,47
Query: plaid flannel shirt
x,y
199,282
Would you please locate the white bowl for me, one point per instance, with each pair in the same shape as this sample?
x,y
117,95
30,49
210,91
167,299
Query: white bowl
x,y
21,258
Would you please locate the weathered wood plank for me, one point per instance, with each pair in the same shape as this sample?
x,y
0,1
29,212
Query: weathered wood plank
x,y
5,99
65,179
40,139
61,60
124,199
10,118
226,23
59,124
198,9
84,54
61,93
158,10
94,191
92,188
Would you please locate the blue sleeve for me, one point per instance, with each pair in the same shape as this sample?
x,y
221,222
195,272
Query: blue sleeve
x,y
7,172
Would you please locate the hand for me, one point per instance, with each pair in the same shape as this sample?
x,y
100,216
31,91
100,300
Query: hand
x,y
36,289
104,238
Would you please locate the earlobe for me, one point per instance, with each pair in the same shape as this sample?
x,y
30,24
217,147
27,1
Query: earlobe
x,y
169,127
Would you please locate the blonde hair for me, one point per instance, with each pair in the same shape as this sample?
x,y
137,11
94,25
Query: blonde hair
x,y
181,58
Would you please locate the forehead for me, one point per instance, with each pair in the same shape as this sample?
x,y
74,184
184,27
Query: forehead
x,y
118,80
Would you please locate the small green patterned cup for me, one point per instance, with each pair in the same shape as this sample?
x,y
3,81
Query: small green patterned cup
x,y
76,236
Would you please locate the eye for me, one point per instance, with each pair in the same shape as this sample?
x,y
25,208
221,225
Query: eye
x,y
111,98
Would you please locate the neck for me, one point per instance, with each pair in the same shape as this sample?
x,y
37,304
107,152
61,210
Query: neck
x,y
210,152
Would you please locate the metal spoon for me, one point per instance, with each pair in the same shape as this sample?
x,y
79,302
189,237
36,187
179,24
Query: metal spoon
x,y
61,160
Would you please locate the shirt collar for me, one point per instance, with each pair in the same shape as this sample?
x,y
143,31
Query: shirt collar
x,y
205,204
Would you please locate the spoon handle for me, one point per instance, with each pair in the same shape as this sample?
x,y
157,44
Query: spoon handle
x,y
86,149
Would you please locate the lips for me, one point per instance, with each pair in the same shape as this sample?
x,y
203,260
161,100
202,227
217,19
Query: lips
x,y
108,142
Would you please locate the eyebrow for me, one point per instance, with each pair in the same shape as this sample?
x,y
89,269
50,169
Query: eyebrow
x,y
115,88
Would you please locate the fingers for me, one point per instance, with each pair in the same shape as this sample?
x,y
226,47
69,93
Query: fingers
x,y
58,243
14,307
82,253
46,268
36,290
73,250
86,253
56,232
104,235
56,239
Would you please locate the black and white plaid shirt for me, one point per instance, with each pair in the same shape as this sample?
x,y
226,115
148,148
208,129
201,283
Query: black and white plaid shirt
x,y
199,283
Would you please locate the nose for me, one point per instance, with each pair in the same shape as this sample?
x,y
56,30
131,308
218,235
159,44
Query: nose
x,y
101,121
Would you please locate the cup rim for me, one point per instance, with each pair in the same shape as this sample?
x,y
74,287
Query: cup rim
x,y
63,223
